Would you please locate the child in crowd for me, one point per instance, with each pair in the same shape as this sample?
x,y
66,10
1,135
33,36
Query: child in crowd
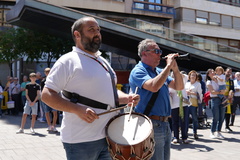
x,y
32,95
221,81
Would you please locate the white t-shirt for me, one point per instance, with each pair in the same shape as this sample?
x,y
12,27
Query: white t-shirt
x,y
215,87
236,86
78,73
175,100
195,87
222,76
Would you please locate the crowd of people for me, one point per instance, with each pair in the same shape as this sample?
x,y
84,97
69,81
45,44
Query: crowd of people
x,y
27,99
82,85
197,95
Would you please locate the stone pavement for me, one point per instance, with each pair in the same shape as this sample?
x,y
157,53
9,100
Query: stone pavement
x,y
47,146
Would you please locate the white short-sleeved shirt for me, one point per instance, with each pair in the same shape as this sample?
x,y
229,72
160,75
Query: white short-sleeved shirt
x,y
222,76
175,100
215,87
76,72
236,86
195,87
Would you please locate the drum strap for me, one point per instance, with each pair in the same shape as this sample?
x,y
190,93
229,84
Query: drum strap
x,y
109,70
76,98
151,103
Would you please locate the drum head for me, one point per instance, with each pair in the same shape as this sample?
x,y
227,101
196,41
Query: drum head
x,y
125,132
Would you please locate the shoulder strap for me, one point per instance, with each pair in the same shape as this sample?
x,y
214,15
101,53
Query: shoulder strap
x,y
151,103
113,85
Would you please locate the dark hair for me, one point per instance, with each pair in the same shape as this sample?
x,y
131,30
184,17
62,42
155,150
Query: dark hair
x,y
228,68
78,25
199,76
207,77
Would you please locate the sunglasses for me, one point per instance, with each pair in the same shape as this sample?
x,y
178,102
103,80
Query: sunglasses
x,y
156,51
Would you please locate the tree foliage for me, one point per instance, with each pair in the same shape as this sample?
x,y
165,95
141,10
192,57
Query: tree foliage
x,y
35,46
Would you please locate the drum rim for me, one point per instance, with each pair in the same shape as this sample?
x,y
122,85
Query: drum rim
x,y
106,128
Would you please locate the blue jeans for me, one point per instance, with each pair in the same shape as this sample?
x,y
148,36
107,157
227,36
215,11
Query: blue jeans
x,y
183,123
221,87
218,112
162,137
24,99
94,150
193,112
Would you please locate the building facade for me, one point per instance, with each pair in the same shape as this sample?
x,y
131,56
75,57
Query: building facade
x,y
214,20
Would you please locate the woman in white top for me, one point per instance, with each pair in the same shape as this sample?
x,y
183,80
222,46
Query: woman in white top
x,y
194,90
218,111
177,120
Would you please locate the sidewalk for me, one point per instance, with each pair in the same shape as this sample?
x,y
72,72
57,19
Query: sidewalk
x,y
45,146
206,148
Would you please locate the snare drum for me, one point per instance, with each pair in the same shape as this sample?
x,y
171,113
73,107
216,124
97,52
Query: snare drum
x,y
130,139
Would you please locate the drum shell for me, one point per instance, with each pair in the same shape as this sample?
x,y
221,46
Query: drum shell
x,y
140,151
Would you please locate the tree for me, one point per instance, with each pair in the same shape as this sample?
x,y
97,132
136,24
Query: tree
x,y
8,50
34,45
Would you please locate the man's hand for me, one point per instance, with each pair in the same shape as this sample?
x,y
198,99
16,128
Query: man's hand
x,y
86,114
133,99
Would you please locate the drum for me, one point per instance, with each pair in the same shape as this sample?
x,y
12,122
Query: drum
x,y
130,139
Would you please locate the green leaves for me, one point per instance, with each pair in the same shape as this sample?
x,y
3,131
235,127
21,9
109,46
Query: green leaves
x,y
20,42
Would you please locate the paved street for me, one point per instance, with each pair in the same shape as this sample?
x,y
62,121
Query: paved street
x,y
45,146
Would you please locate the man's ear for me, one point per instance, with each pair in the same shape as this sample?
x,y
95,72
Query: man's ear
x,y
143,53
76,34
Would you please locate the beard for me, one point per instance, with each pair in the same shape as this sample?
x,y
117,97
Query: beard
x,y
91,45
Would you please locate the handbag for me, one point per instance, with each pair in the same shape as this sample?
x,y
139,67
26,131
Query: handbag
x,y
194,101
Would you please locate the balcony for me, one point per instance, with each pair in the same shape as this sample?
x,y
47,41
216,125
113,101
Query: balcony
x,y
163,10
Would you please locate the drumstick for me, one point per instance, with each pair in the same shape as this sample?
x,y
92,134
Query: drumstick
x,y
112,110
130,112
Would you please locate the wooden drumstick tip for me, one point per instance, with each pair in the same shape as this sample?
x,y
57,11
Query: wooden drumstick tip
x,y
132,105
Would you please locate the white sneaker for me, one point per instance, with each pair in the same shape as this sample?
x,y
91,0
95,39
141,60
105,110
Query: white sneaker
x,y
32,130
212,135
20,131
49,128
219,135
54,129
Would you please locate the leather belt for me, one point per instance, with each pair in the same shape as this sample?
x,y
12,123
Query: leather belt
x,y
76,98
159,118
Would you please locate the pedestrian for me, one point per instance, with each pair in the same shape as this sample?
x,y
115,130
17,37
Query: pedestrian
x,y
218,110
14,90
41,116
194,92
23,89
236,98
153,82
9,81
32,95
180,112
221,81
83,74
201,106
47,109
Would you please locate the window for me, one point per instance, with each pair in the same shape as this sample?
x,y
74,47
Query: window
x,y
188,15
214,19
226,21
202,17
236,23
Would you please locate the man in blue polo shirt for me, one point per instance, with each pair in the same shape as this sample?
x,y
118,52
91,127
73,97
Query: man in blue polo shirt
x,y
150,79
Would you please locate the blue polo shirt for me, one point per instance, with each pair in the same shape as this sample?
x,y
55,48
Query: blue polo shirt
x,y
138,76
